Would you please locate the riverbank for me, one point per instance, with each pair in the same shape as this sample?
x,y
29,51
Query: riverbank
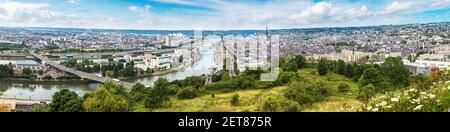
x,y
44,81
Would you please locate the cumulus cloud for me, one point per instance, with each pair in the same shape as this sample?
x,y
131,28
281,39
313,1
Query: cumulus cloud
x,y
317,13
74,1
18,13
396,7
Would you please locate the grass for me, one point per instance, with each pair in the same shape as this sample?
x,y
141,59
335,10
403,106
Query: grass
x,y
251,100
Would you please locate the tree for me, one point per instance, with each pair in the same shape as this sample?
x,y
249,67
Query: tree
x,y
116,71
5,71
194,81
180,60
349,71
289,64
340,67
322,67
225,76
138,92
149,70
234,99
104,101
159,95
343,87
66,101
187,93
395,72
27,71
129,71
300,61
370,76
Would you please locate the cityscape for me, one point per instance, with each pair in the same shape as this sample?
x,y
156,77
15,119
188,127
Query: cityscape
x,y
326,56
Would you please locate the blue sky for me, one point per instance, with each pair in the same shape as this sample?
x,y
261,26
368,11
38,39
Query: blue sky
x,y
218,14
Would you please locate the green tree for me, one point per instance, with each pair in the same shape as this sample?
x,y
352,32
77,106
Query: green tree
x,y
300,61
194,81
27,71
395,72
5,71
225,76
322,67
234,99
180,60
159,95
129,71
66,101
104,101
139,92
370,76
187,93
340,67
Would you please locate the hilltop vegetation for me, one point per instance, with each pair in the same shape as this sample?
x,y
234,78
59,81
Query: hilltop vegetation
x,y
314,85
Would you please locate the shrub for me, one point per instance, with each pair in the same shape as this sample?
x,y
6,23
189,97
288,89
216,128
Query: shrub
x,y
307,93
343,87
289,106
434,99
234,99
269,106
187,93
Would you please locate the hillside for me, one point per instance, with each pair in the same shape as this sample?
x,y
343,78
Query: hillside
x,y
251,100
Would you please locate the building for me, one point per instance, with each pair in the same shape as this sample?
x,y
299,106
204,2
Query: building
x,y
20,105
353,56
30,64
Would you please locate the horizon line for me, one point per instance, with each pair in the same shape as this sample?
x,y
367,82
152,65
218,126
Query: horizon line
x,y
262,29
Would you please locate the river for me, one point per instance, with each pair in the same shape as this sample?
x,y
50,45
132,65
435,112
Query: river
x,y
44,91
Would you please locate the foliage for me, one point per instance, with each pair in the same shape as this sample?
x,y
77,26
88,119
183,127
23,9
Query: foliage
x,y
139,92
187,93
395,72
159,95
103,100
6,71
306,93
343,87
285,78
66,101
27,71
235,100
322,67
435,99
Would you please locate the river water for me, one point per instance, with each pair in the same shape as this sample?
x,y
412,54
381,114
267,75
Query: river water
x,y
44,91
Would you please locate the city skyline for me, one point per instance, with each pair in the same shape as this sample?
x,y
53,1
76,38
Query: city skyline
x,y
218,14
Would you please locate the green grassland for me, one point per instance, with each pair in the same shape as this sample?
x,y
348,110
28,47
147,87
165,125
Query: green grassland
x,y
251,100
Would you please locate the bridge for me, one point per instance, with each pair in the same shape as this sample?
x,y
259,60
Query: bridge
x,y
81,74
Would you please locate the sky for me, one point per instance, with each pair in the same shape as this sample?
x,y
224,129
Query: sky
x,y
218,14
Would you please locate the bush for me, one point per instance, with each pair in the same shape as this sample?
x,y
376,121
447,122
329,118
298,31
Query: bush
x,y
343,87
48,77
187,93
269,106
307,93
435,99
285,78
235,99
289,106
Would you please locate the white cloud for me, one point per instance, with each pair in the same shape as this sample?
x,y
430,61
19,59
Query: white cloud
x,y
180,2
440,3
317,13
396,7
34,14
74,1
